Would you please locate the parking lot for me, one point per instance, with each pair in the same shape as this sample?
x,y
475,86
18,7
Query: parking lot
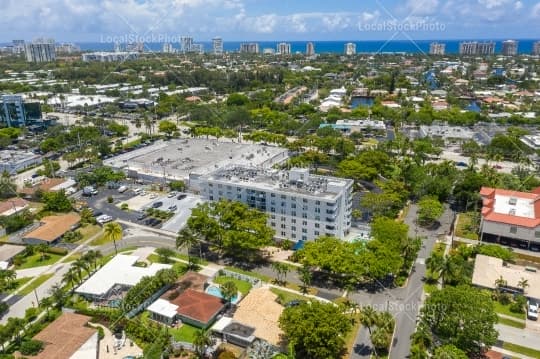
x,y
138,204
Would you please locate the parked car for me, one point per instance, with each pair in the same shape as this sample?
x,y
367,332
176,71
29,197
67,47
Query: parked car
x,y
142,216
461,164
171,194
122,189
104,219
157,204
181,196
532,312
172,208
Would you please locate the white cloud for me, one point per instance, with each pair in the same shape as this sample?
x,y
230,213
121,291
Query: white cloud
x,y
535,11
422,7
518,5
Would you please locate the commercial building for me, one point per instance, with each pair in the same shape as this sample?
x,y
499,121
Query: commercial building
x,y
488,271
510,48
40,50
15,161
310,49
109,56
217,46
284,48
178,159
511,217
437,48
350,49
68,337
16,112
351,126
536,48
249,48
300,206
111,281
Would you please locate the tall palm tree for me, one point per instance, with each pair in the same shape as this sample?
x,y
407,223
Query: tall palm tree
x,y
81,266
57,293
201,340
368,317
113,232
46,303
71,277
92,257
7,276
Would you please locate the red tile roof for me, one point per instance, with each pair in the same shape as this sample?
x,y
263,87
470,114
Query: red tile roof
x,y
198,306
488,200
13,203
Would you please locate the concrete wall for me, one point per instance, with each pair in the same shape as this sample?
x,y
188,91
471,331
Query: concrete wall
x,y
502,229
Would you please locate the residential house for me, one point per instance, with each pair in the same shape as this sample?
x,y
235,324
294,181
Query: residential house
x,y
52,228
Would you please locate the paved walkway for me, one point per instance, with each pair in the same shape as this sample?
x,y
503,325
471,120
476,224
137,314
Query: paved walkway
x,y
32,272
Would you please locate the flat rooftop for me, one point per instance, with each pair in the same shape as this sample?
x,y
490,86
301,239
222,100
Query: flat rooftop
x,y
488,269
296,181
177,159
119,270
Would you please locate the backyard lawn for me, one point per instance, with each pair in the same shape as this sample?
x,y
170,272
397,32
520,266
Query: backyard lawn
x,y
465,227
186,333
243,286
89,231
285,296
35,260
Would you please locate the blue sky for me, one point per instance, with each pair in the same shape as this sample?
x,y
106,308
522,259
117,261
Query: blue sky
x,y
166,20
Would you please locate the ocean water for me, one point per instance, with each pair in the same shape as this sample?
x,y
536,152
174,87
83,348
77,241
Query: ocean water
x,y
396,46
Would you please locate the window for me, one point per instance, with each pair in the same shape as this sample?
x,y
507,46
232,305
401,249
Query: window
x,y
304,223
238,196
293,228
512,201
317,225
317,202
304,230
293,220
283,233
304,238
293,235
272,195
317,218
272,209
304,200
283,226
293,205
283,196
537,234
513,229
316,233
273,224
293,213
304,215
273,216
283,219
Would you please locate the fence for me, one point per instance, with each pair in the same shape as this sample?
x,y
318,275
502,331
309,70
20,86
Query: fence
x,y
255,282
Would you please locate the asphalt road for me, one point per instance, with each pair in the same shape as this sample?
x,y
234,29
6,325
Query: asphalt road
x,y
404,303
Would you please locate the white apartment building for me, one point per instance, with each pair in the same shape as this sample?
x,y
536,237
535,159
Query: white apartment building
x,y
350,49
310,49
217,45
109,56
40,50
300,206
284,48
509,48
437,48
511,217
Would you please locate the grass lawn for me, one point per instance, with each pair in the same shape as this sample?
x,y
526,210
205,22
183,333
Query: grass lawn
x,y
522,350
72,258
262,277
286,296
35,260
463,226
89,231
101,240
512,323
243,286
186,333
19,282
505,309
35,283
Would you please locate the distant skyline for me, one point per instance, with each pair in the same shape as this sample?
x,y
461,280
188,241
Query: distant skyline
x,y
264,20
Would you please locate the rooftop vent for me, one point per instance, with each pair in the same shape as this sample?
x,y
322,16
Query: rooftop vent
x,y
512,201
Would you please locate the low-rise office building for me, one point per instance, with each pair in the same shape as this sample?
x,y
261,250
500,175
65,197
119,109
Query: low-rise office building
x,y
300,206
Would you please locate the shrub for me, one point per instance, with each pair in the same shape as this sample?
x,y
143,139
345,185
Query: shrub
x,y
518,306
31,347
110,199
30,314
124,206
57,250
226,355
101,333
505,298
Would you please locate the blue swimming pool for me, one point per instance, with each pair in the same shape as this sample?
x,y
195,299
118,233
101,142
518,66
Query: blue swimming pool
x,y
216,292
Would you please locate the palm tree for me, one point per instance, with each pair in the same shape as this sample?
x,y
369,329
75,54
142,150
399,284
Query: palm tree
x,y
113,232
81,265
436,264
201,340
368,317
16,326
7,277
229,290
57,293
187,239
46,303
304,273
70,278
523,284
91,257
500,282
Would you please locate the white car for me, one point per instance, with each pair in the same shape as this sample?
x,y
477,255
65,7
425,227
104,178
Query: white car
x,y
104,218
532,312
153,196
